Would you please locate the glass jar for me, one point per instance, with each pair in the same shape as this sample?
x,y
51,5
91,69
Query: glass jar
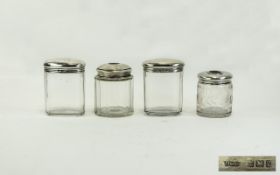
x,y
114,90
163,86
64,87
214,94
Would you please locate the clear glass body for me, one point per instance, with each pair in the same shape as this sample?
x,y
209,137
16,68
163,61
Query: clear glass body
x,y
163,93
64,93
214,100
113,98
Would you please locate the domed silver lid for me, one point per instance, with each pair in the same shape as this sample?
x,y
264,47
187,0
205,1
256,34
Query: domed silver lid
x,y
163,65
114,72
64,65
215,77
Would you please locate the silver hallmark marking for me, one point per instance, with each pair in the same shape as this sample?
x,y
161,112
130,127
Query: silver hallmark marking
x,y
247,163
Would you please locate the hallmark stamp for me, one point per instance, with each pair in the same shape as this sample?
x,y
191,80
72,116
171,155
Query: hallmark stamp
x,y
247,163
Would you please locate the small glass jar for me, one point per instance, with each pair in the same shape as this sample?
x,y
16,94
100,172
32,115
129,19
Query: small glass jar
x,y
114,90
163,86
214,94
64,87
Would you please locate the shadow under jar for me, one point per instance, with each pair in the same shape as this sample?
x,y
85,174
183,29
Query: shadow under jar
x,y
114,90
64,87
214,94
163,86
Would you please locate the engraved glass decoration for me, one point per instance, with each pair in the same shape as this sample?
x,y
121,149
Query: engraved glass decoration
x,y
214,94
114,90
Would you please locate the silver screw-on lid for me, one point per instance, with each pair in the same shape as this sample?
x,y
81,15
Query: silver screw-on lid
x,y
215,77
163,65
64,65
114,72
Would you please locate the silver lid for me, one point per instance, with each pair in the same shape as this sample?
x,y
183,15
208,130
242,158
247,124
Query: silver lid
x,y
215,77
114,72
163,65
64,65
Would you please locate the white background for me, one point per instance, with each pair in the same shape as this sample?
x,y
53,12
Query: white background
x,y
240,36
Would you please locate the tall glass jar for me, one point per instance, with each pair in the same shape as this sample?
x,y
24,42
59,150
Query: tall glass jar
x,y
114,90
64,87
163,86
214,94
